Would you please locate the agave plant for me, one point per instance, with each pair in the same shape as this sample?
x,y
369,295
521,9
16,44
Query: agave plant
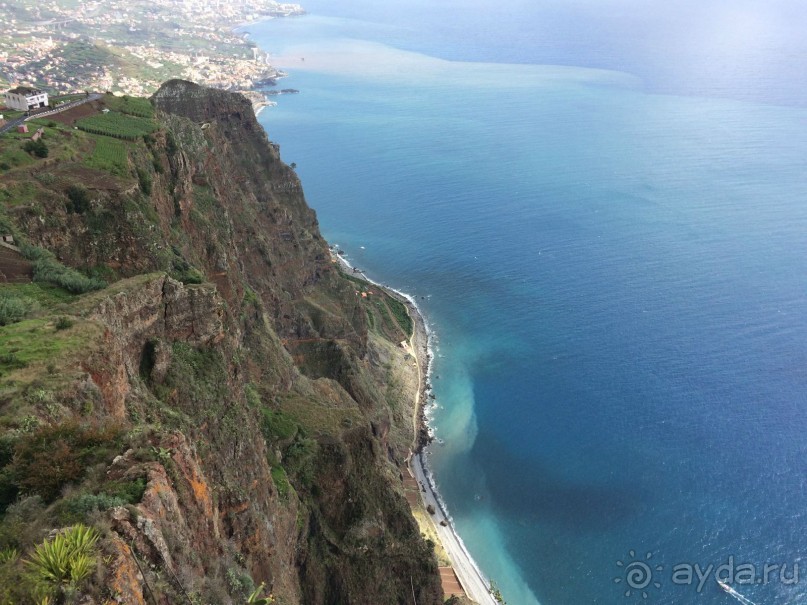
x,y
63,563
50,562
80,538
8,555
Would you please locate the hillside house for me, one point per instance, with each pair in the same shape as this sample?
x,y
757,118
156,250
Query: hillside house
x,y
24,98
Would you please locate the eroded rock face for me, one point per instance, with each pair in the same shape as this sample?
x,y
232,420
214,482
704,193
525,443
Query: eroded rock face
x,y
193,371
124,577
161,308
138,317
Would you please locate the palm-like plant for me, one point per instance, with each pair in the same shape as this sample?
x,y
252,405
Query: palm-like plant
x,y
63,563
8,555
80,538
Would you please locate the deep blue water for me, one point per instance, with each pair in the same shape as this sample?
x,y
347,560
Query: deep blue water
x,y
602,209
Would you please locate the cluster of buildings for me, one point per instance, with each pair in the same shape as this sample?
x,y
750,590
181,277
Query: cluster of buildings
x,y
44,46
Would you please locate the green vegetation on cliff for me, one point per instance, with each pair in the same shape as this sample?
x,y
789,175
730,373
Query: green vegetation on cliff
x,y
191,375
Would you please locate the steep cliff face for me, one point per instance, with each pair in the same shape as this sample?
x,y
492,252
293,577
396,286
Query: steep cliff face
x,y
254,423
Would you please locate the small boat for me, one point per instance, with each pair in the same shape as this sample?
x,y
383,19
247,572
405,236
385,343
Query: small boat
x,y
730,591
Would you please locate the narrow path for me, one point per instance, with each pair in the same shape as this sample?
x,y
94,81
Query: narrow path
x,y
469,576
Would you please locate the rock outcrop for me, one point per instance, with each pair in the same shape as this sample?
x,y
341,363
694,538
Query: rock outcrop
x,y
264,436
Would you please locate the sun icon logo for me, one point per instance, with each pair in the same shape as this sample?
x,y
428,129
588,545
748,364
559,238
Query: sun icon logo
x,y
638,574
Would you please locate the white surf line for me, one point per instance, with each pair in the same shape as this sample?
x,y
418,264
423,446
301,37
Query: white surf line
x,y
471,579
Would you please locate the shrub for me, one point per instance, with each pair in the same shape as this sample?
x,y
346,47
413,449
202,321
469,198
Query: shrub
x,y
239,583
129,491
37,148
186,274
114,494
276,425
281,481
64,323
83,504
14,308
53,272
11,361
298,460
144,179
54,456
48,269
78,199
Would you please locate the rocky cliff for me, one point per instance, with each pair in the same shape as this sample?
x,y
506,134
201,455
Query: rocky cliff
x,y
228,411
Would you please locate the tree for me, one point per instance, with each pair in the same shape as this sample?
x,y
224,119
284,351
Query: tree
x,y
37,148
78,199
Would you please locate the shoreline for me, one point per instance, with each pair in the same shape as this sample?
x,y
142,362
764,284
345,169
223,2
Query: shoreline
x,y
470,576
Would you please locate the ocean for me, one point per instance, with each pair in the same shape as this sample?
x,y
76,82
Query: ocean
x,y
601,208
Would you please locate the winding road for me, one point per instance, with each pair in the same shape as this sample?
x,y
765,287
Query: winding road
x,y
14,123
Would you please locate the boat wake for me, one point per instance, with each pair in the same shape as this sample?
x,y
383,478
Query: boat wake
x,y
731,592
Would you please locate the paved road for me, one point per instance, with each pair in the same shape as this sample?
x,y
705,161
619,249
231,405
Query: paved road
x,y
469,575
14,123
11,125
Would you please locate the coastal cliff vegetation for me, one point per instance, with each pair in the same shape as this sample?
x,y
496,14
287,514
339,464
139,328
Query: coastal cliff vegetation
x,y
197,405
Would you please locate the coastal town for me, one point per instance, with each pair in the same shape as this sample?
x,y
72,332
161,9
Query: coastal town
x,y
132,47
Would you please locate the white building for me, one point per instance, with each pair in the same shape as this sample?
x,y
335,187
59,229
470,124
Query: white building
x,y
24,98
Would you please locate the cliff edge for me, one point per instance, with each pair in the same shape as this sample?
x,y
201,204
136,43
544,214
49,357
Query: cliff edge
x,y
191,375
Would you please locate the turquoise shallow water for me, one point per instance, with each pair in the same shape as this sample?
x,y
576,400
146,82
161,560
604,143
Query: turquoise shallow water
x,y
614,269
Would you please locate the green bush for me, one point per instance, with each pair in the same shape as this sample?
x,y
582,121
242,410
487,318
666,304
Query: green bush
x,y
14,308
144,179
78,507
47,269
8,555
191,276
131,491
11,361
281,481
78,199
64,323
114,494
277,426
37,148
